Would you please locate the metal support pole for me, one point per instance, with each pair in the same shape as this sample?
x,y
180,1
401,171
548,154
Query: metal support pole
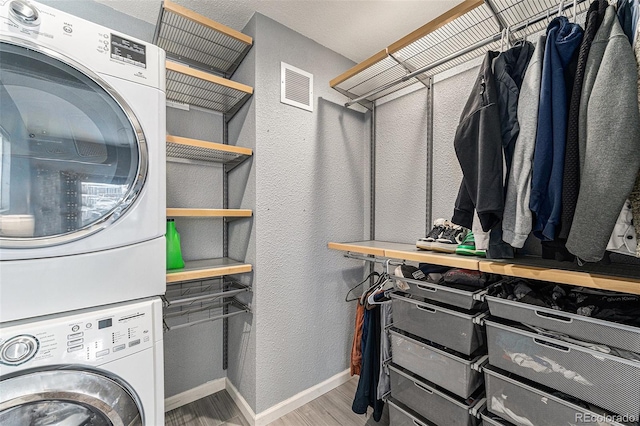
x,y
372,183
225,248
429,186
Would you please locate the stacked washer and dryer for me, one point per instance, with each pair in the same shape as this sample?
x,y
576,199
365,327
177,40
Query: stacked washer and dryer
x,y
82,220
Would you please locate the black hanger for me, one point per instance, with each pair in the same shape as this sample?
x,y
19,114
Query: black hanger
x,y
373,274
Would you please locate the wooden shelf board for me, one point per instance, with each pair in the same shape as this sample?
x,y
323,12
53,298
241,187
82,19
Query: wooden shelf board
x,y
207,268
443,259
185,212
209,145
374,248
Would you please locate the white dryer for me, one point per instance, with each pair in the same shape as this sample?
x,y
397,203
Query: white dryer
x,y
82,164
99,366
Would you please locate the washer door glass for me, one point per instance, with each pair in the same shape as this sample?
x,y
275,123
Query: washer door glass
x,y
69,398
72,155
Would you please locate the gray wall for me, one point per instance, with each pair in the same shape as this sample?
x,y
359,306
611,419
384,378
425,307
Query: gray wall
x,y
193,355
310,188
401,174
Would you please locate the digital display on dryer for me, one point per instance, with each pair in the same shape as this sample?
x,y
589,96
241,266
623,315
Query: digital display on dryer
x,y
128,51
105,323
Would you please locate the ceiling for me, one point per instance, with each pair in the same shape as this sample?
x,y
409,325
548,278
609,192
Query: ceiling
x,y
354,28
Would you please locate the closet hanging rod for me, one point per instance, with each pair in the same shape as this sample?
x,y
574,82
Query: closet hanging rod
x,y
482,43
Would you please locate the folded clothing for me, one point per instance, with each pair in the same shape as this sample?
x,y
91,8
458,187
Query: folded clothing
x,y
470,280
606,305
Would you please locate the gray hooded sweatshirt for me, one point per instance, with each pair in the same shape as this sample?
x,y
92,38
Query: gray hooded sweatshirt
x,y
609,139
517,220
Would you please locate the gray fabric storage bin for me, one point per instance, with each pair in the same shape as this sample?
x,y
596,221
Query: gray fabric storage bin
x,y
400,415
431,403
607,381
448,295
526,405
585,328
454,373
447,327
487,420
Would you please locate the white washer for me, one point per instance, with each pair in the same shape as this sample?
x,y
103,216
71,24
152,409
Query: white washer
x,y
98,366
82,164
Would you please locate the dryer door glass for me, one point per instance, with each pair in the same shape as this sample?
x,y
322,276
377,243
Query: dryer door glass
x,y
73,157
68,397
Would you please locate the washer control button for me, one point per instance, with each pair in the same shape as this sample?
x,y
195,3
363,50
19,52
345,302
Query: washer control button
x,y
75,328
18,350
74,335
119,348
102,353
75,342
75,348
134,342
89,325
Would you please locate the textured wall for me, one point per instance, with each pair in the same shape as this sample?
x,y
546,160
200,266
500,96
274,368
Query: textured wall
x,y
242,233
401,158
449,97
310,190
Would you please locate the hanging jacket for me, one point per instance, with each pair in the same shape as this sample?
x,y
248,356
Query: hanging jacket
x,y
509,69
628,17
517,220
478,145
563,38
366,392
609,136
571,175
356,347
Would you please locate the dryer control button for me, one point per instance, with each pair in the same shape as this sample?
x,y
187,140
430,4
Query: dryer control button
x,y
75,328
74,335
75,342
134,342
75,348
18,349
102,353
119,348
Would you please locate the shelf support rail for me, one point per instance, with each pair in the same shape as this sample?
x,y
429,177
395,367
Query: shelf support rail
x,y
482,43
242,308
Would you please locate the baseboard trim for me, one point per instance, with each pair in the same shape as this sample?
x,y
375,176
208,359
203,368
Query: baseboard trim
x,y
300,399
194,394
242,403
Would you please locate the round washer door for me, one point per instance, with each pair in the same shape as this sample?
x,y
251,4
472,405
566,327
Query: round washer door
x,y
70,397
73,156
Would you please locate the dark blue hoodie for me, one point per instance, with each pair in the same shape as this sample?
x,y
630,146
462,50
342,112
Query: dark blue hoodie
x,y
563,38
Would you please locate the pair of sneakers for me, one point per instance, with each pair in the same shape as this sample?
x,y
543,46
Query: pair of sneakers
x,y
445,232
468,247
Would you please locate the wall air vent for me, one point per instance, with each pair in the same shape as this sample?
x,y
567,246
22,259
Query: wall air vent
x,y
296,87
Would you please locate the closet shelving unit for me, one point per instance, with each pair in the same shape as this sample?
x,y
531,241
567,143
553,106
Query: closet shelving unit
x,y
202,56
464,33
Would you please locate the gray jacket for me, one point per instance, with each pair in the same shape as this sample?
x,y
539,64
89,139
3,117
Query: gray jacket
x,y
516,220
609,139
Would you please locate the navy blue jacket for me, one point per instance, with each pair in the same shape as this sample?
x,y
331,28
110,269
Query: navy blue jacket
x,y
563,38
366,393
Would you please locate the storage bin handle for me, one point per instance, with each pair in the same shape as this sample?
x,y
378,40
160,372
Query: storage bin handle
x,y
477,409
551,345
419,386
425,288
479,364
479,320
427,309
554,317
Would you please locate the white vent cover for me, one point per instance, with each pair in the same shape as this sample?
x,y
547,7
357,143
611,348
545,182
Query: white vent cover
x,y
296,87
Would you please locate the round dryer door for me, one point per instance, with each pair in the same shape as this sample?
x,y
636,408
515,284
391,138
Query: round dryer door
x,y
73,157
68,397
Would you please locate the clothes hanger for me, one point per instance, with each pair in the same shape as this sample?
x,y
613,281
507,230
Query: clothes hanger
x,y
575,11
561,8
386,285
373,288
346,298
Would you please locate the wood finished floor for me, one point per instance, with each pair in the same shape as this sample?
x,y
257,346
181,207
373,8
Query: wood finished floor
x,y
330,409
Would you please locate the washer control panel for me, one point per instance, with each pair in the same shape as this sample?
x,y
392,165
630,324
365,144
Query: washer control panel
x,y
90,337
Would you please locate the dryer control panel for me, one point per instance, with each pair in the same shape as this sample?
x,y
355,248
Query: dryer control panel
x,y
89,337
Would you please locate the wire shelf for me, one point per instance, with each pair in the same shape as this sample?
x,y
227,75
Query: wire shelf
x,y
174,320
464,33
200,41
190,86
179,148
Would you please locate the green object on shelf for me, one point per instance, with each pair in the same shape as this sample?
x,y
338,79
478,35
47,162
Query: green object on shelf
x,y
174,253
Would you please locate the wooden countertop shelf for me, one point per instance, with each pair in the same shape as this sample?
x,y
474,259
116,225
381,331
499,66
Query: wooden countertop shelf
x,y
616,277
194,87
208,152
198,40
228,213
207,268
